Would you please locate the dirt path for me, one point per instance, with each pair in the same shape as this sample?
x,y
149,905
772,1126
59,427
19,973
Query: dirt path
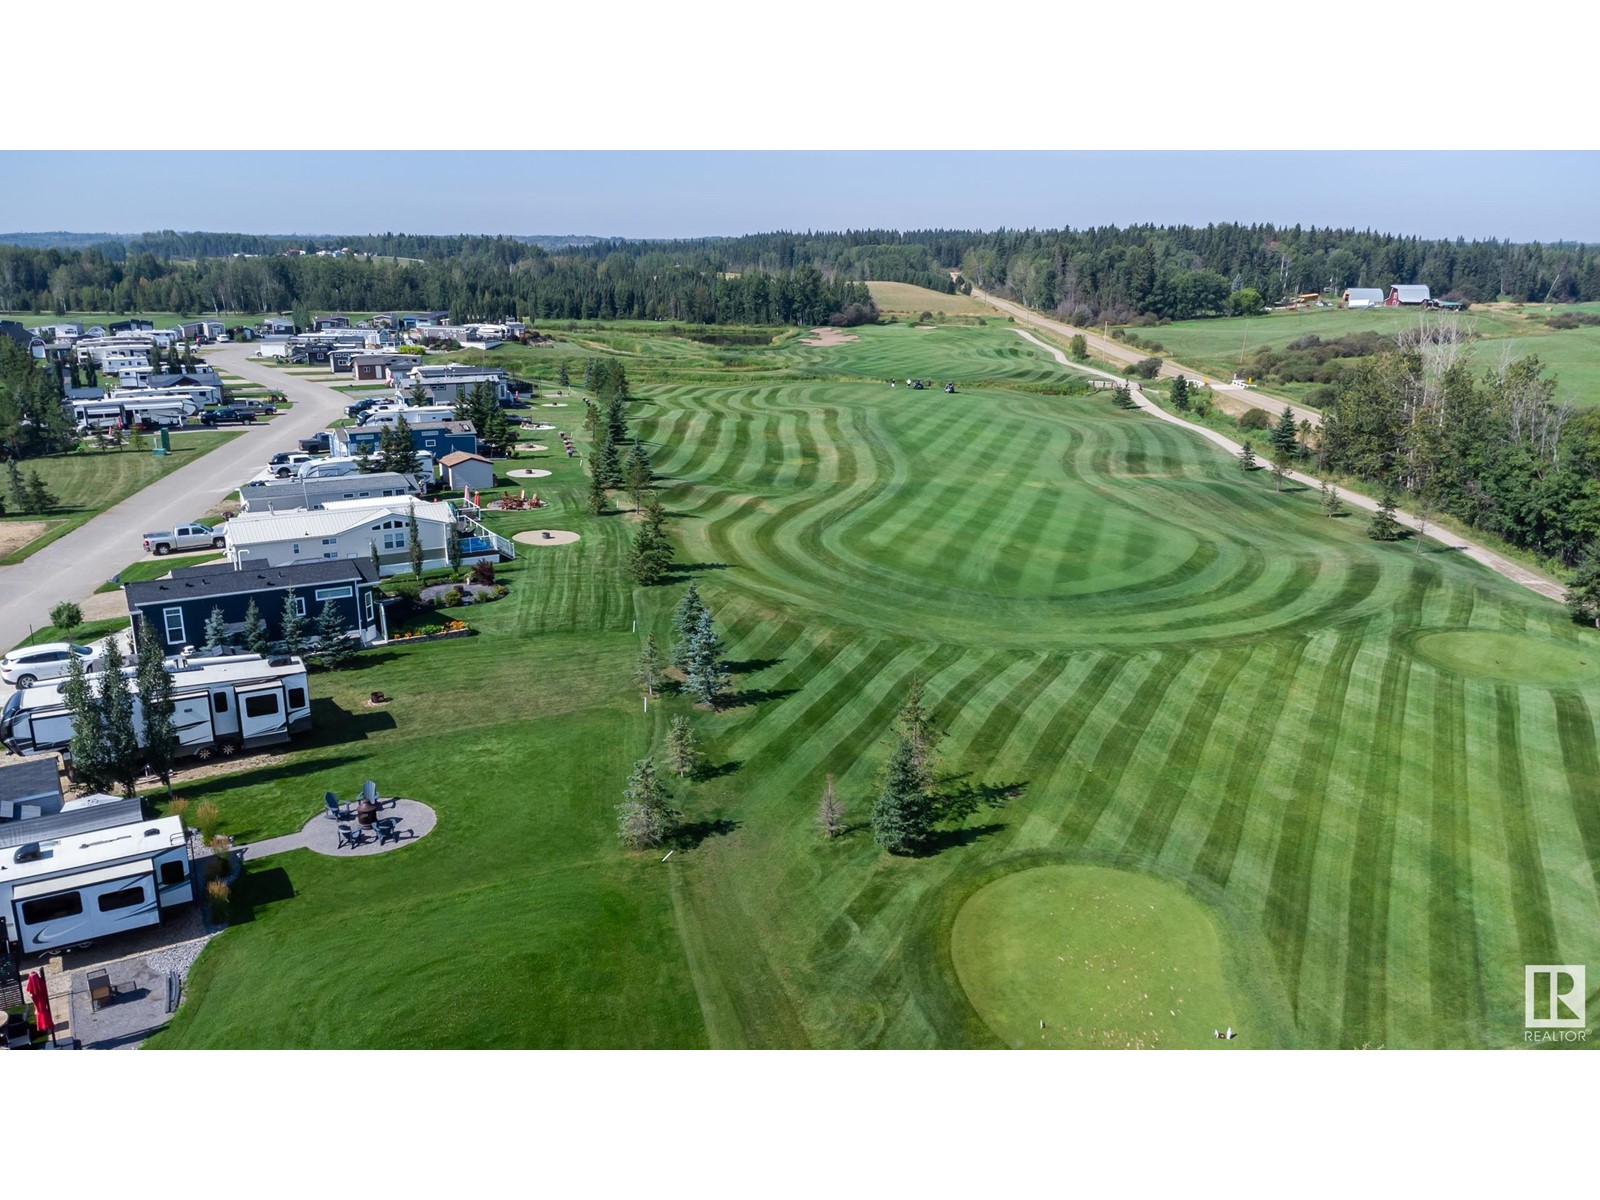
x,y
1119,352
1535,581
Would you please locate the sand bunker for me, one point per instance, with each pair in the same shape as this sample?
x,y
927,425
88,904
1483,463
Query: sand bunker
x,y
546,537
527,473
555,404
827,335
14,535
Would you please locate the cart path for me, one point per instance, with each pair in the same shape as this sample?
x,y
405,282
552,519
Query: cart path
x,y
1535,581
71,567
1121,352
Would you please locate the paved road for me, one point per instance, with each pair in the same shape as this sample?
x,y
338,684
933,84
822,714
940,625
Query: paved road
x,y
1535,581
1120,352
71,567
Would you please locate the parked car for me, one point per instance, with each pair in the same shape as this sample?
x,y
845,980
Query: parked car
x,y
357,407
226,416
184,537
24,667
260,407
287,464
321,443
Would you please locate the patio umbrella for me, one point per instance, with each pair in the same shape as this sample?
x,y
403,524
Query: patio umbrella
x,y
39,993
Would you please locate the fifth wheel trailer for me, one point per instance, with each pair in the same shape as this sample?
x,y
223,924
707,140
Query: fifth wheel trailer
x,y
219,705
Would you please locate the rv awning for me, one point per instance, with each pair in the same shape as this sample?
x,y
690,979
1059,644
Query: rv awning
x,y
134,870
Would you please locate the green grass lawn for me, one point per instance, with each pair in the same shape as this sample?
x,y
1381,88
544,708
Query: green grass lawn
x,y
89,482
1218,346
149,568
1354,833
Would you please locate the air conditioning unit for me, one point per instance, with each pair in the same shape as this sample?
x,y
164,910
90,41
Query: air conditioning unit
x,y
28,852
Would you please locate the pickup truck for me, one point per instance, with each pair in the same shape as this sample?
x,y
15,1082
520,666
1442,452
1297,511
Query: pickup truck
x,y
184,537
224,416
322,443
260,408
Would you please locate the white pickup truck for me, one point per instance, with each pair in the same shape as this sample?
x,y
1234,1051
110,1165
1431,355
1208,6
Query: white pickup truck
x,y
184,537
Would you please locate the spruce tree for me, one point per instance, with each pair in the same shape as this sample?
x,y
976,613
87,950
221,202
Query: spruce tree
x,y
88,747
40,498
255,630
1285,436
1179,393
333,648
596,498
414,541
1331,506
636,473
900,816
1079,346
122,756
1384,528
608,462
293,627
403,456
1583,589
915,726
705,674
645,819
1247,456
685,619
216,632
683,750
647,669
159,732
563,377
19,490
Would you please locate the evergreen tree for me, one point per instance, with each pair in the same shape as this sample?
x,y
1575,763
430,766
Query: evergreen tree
x,y
616,416
563,377
645,819
159,732
683,751
377,561
705,674
607,461
122,755
636,473
1583,589
651,553
40,498
914,725
452,548
685,619
1384,527
88,747
1331,504
830,810
419,395
333,648
1079,347
414,541
591,418
1247,456
1285,435
647,670
216,631
293,627
900,817
19,490
403,450
496,431
255,630
1179,393
597,491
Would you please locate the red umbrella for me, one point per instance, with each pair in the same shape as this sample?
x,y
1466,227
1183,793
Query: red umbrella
x,y
39,993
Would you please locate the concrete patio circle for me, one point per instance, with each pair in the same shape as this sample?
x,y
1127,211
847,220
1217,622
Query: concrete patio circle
x,y
540,426
321,832
555,404
527,473
530,448
535,537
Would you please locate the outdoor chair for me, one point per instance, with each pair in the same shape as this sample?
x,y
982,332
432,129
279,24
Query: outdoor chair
x,y
349,837
18,1036
100,991
369,792
335,809
388,830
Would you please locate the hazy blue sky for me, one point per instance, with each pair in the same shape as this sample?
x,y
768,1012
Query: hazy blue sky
x,y
1521,196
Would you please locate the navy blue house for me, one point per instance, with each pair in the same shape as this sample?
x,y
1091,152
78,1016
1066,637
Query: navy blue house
x,y
175,610
438,438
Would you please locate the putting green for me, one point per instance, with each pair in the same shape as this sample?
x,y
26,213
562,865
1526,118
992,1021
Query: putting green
x,y
1514,657
1106,959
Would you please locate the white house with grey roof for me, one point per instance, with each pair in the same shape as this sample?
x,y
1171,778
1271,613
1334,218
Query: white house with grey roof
x,y
343,529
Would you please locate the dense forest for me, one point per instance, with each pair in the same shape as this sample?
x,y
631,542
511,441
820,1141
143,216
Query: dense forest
x,y
801,278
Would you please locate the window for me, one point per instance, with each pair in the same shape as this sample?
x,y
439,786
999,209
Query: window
x,y
330,541
173,873
261,706
394,541
299,606
295,549
126,898
369,608
335,593
174,622
52,908
297,697
219,702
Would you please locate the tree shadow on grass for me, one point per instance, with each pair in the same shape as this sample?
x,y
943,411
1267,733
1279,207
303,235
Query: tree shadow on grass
x,y
691,833
706,771
750,666
333,726
948,839
677,569
753,696
257,888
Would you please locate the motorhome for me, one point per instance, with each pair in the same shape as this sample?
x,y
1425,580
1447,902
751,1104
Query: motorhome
x,y
415,414
219,705
332,467
194,397
89,871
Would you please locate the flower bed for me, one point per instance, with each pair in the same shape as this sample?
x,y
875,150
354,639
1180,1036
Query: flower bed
x,y
435,633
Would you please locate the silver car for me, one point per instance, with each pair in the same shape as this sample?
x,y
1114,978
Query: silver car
x,y
26,666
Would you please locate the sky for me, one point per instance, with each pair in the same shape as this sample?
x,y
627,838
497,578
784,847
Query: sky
x,y
1521,196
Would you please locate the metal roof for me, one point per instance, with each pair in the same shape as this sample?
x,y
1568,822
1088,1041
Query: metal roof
x,y
29,779
1410,293
75,823
1363,293
334,518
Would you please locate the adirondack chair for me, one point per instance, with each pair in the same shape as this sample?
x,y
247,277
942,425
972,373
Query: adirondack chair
x,y
349,837
336,811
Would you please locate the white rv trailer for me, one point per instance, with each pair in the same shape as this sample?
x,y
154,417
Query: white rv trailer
x,y
194,396
219,706
329,468
415,414
100,869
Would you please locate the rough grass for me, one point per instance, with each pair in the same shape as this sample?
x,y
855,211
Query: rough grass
x,y
150,568
1171,668
909,298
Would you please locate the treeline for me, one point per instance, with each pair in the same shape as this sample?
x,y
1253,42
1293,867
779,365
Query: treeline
x,y
32,419
1495,449
505,278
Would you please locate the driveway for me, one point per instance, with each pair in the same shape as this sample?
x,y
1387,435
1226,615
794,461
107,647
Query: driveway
x,y
71,567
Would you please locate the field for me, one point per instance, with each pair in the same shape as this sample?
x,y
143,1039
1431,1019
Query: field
x,y
88,483
903,298
1359,784
1217,346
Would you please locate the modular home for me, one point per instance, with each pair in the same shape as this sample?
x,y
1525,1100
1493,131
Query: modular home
x,y
94,871
448,382
438,438
312,492
175,610
344,529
